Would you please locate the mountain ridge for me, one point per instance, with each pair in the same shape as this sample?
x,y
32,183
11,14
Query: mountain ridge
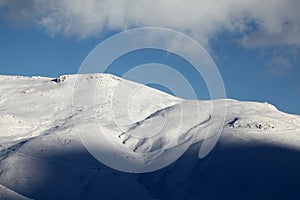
x,y
41,119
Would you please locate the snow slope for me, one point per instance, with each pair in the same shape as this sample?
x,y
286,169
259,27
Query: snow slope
x,y
48,128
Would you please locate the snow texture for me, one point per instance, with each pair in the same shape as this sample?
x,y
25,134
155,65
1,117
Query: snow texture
x,y
42,155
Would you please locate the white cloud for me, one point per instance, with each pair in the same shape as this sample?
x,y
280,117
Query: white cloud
x,y
276,21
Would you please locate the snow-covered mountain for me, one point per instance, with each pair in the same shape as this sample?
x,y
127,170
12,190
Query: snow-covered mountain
x,y
49,135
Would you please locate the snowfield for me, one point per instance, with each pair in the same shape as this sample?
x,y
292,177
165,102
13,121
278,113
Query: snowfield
x,y
52,131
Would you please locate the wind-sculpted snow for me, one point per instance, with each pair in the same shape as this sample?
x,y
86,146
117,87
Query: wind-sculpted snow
x,y
51,135
143,136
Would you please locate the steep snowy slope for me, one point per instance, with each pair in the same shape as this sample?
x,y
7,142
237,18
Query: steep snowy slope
x,y
51,129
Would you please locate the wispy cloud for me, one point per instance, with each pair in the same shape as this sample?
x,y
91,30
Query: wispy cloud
x,y
279,67
287,36
281,62
278,21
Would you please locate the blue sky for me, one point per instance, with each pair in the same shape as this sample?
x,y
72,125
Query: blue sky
x,y
257,54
